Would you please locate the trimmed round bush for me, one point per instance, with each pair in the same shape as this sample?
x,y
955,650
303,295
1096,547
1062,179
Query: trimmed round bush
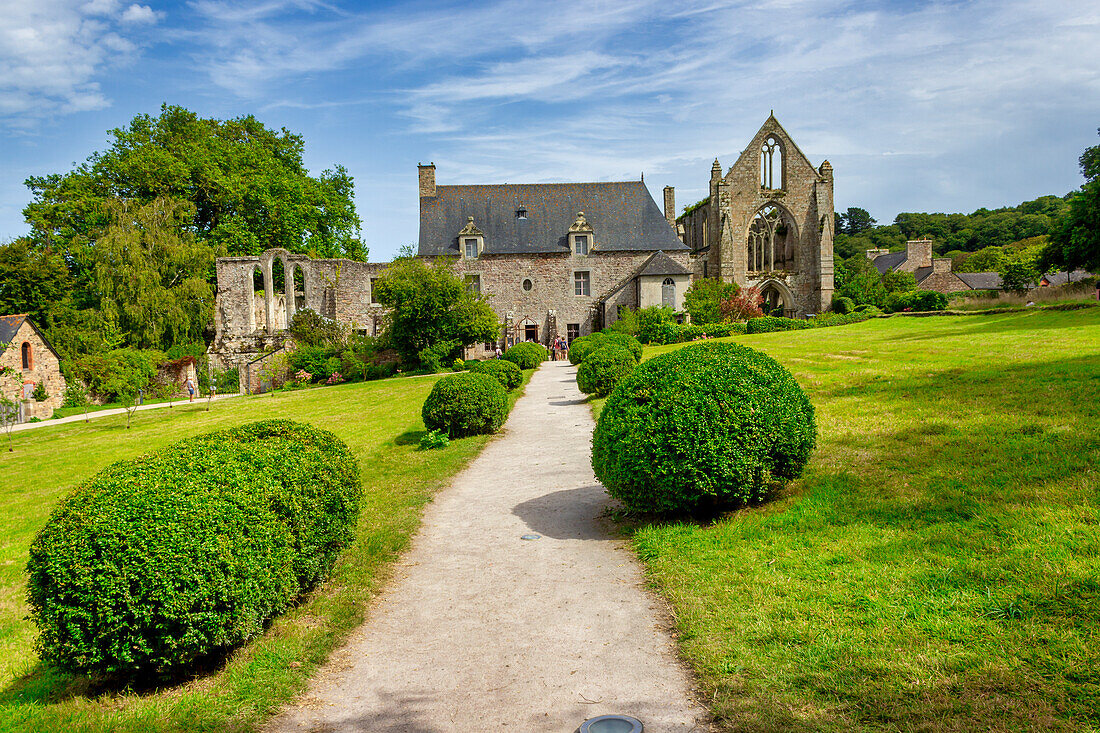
x,y
843,304
707,427
157,562
583,346
527,355
508,374
465,404
604,368
626,341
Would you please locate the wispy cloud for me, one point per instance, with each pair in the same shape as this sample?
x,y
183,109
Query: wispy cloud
x,y
53,51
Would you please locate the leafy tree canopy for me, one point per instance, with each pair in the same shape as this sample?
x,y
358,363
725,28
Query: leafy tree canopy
x,y
246,183
431,307
1075,241
32,280
703,299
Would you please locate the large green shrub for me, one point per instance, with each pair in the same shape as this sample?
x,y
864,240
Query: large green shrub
x,y
624,341
705,427
767,324
843,305
508,374
527,355
604,368
585,345
159,561
465,404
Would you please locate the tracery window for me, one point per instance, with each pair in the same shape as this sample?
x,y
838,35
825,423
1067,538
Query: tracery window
x,y
771,243
771,155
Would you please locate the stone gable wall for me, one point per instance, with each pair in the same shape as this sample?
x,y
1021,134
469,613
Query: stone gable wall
x,y
45,368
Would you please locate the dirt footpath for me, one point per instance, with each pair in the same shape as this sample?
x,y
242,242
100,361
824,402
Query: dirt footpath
x,y
484,630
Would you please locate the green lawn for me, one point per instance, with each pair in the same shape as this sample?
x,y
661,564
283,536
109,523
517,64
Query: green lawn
x,y
379,420
937,567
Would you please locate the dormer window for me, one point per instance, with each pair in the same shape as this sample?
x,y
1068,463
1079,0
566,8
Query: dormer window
x,y
521,213
471,240
580,236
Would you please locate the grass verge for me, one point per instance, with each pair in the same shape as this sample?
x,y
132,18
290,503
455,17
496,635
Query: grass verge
x,y
381,423
937,567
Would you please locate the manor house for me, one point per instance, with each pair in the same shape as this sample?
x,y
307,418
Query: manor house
x,y
567,258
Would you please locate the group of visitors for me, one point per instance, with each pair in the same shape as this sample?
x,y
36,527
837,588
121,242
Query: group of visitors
x,y
558,348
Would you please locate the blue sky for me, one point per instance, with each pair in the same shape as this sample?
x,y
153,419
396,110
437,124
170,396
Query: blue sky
x,y
920,106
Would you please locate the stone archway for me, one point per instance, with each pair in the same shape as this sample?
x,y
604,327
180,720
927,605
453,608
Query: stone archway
x,y
776,299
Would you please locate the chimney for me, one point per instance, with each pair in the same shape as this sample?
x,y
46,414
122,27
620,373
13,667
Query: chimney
x,y
670,206
941,265
873,253
918,252
427,179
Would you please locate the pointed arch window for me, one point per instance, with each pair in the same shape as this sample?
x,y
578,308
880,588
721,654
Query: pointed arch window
x,y
668,293
28,356
772,239
771,164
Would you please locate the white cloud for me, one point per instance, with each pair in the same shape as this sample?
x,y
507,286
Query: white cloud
x,y
52,53
138,14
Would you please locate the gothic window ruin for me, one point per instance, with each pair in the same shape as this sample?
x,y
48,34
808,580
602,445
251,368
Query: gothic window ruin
x,y
259,300
299,288
28,356
771,244
771,164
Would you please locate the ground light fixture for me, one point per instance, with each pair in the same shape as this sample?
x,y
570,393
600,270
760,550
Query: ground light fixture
x,y
611,724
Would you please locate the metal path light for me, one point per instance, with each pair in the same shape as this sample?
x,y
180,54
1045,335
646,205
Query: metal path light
x,y
611,724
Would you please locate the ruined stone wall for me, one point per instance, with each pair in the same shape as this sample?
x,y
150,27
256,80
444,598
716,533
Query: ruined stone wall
x,y
719,230
44,368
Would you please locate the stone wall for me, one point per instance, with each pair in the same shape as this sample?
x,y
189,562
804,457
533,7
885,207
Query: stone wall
x,y
942,279
44,368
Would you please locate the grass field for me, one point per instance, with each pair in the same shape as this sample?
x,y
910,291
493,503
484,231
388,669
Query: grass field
x,y
381,423
937,567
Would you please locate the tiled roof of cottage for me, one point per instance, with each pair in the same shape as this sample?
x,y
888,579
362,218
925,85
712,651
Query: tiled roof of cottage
x,y
662,264
885,262
8,326
623,217
981,280
921,272
1061,278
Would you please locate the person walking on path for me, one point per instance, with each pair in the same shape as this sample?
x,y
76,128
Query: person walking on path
x,y
190,386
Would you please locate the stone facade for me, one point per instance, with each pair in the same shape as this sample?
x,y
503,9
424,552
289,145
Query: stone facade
x,y
32,359
768,223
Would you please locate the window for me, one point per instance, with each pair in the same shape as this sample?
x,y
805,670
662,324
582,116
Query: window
x,y
373,297
473,284
521,213
581,243
771,244
471,248
770,153
527,284
582,283
668,293
704,268
572,331
28,356
490,346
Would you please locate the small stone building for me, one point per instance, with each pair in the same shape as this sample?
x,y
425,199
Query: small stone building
x,y
555,258
27,353
931,273
767,223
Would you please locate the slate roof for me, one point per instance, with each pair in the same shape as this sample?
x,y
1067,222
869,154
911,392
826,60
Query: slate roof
x,y
662,264
885,262
922,272
623,217
981,280
1060,278
9,325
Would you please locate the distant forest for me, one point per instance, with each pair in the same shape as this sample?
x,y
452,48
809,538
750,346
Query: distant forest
x,y
975,242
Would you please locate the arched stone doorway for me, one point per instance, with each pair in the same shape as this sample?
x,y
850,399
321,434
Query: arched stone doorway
x,y
776,299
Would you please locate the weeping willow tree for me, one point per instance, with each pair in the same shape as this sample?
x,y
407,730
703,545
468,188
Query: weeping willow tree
x,y
152,274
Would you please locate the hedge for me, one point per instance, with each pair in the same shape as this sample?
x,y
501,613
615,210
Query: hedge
x,y
581,347
604,368
527,355
916,300
508,374
767,324
466,403
706,427
676,333
156,562
843,304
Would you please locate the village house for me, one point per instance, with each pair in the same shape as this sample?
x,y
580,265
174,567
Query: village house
x,y
27,360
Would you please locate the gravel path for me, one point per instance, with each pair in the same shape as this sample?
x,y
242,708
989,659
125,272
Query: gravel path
x,y
483,630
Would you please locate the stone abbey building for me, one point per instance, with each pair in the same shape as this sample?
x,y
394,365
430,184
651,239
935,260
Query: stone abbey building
x,y
567,258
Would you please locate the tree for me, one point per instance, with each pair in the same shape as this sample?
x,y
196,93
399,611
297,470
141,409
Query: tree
x,y
857,220
898,281
1075,237
9,416
430,306
703,299
33,280
247,185
862,283
152,274
1018,272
